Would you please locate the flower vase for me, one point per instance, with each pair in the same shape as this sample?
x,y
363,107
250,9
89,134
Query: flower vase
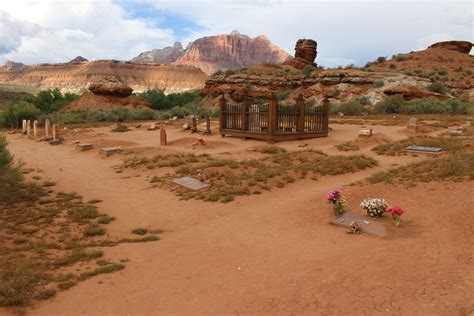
x,y
339,210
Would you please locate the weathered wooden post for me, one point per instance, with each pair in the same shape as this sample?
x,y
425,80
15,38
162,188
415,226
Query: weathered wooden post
x,y
35,129
24,126
194,127
46,127
222,108
245,113
28,128
326,107
208,125
272,116
301,114
163,140
55,132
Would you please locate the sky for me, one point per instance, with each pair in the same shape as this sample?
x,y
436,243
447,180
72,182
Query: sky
x,y
347,32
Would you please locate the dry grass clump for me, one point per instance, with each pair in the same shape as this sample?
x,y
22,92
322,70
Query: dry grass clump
x,y
454,167
397,148
230,178
348,146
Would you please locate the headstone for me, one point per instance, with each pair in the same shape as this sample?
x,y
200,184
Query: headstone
x,y
367,225
194,127
35,129
47,126
208,125
191,183
55,132
163,141
413,124
110,150
28,128
365,132
83,146
424,149
24,126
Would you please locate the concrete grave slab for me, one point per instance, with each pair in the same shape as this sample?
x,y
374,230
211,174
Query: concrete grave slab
x,y
433,150
109,150
367,224
191,183
83,146
365,132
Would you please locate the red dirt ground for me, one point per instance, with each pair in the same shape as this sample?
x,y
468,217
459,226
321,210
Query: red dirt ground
x,y
268,254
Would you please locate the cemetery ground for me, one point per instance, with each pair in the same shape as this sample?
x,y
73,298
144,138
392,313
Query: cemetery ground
x,y
258,240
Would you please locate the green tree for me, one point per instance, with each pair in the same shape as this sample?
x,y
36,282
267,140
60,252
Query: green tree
x,y
14,113
48,101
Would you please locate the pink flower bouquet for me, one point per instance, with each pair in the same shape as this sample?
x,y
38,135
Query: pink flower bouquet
x,y
396,212
335,198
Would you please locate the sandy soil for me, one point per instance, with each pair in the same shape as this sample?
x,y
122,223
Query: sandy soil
x,y
268,254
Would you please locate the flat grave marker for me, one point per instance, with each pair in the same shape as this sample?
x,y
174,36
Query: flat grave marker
x,y
365,132
421,149
109,150
83,146
367,225
191,183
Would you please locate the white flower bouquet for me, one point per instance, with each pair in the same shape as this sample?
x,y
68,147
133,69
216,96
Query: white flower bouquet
x,y
374,207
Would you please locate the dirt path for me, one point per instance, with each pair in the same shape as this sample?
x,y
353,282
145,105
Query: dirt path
x,y
267,254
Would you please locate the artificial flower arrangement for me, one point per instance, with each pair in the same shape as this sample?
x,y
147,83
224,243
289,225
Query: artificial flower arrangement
x,y
335,198
396,212
374,207
355,228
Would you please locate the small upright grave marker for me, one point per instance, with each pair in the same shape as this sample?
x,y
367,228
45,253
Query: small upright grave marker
x,y
35,129
55,132
194,127
28,128
208,125
413,124
365,132
24,126
191,183
47,126
163,140
367,225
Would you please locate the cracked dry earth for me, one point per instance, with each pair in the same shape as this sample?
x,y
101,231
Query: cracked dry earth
x,y
271,254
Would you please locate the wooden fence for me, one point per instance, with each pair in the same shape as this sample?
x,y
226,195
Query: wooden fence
x,y
272,121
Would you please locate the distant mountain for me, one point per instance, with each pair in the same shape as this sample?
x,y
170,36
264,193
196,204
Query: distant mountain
x,y
165,55
12,65
78,59
225,51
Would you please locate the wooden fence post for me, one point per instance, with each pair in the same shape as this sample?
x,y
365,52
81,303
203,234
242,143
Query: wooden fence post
x,y
301,114
222,106
245,114
326,107
272,116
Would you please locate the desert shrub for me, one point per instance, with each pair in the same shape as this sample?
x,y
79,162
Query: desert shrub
x,y
381,59
307,70
160,101
378,84
218,72
364,100
392,66
10,176
119,114
229,72
271,65
392,104
438,87
282,95
348,108
401,57
14,113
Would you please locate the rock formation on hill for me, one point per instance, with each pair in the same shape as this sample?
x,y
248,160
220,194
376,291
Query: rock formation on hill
x,y
460,46
230,51
12,65
76,77
106,95
78,59
305,54
165,55
405,74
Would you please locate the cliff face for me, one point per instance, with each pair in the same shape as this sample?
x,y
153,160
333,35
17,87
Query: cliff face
x,y
406,74
76,77
230,51
165,55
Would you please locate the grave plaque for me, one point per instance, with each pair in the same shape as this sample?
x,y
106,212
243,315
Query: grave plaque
x,y
191,183
424,149
84,146
367,224
365,132
109,150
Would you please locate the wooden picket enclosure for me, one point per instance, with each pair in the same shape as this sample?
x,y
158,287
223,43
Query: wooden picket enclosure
x,y
272,121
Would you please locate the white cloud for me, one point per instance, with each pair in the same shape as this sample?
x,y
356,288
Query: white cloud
x,y
57,31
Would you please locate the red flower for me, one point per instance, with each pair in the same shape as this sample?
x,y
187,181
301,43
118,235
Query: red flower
x,y
395,210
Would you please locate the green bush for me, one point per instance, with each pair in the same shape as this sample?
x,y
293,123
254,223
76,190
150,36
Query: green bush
x,y
218,72
14,113
160,101
378,84
438,87
48,101
396,104
381,59
348,108
307,70
392,104
10,176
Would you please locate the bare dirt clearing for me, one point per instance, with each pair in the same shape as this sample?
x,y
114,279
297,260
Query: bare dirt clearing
x,y
272,253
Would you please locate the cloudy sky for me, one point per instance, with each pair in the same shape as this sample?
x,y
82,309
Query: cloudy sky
x,y
346,31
